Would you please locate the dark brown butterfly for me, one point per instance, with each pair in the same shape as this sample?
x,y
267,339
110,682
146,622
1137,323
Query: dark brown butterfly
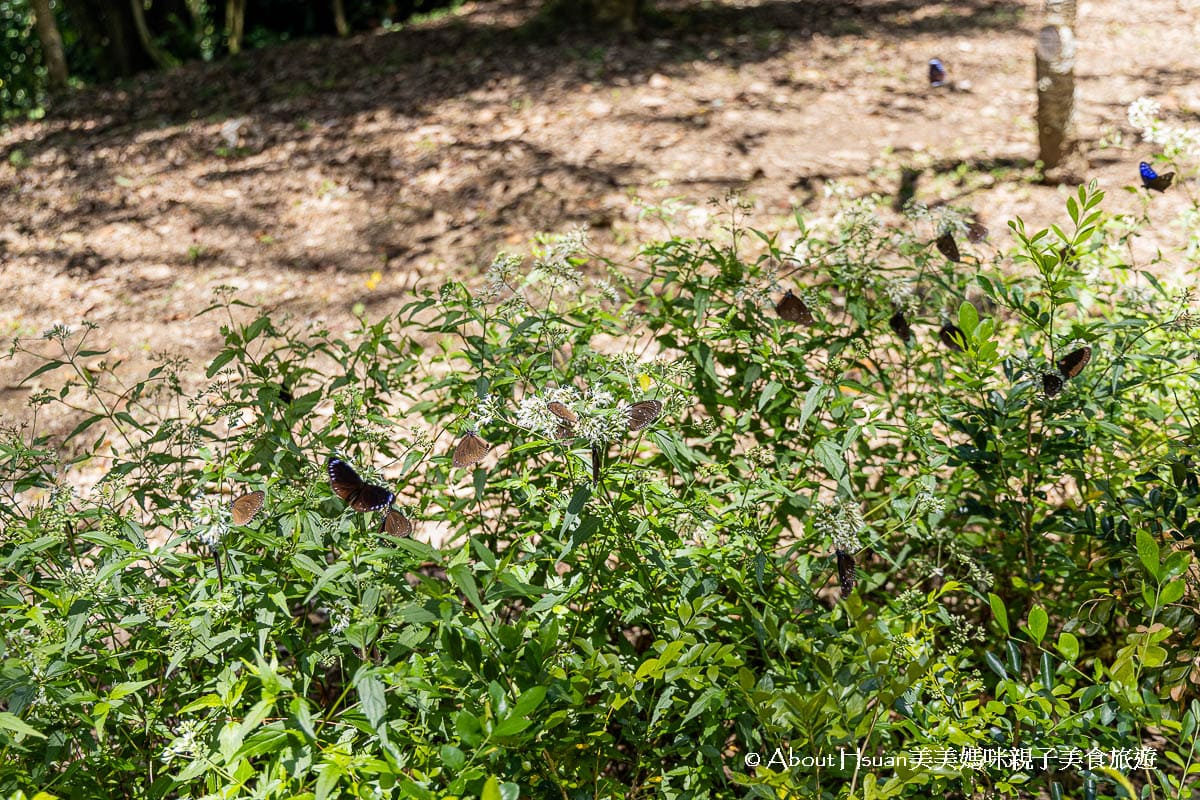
x,y
1073,362
793,309
643,413
597,458
562,412
470,450
247,506
948,247
952,336
976,232
845,568
899,324
1152,180
285,393
396,524
354,491
1051,384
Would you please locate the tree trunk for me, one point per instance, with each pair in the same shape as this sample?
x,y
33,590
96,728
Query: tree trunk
x,y
339,18
235,21
52,46
1056,91
160,57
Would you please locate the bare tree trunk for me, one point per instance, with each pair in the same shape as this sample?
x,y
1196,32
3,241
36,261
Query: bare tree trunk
x,y
52,46
235,20
1056,82
339,18
160,57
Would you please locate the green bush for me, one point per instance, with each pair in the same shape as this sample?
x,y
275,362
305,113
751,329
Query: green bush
x,y
676,629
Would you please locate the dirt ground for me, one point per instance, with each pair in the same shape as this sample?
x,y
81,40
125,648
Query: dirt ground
x,y
296,173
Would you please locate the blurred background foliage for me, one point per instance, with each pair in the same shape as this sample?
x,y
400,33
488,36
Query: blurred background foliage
x,y
105,41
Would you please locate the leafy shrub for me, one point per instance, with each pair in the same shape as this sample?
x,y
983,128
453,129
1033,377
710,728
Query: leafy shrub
x,y
675,628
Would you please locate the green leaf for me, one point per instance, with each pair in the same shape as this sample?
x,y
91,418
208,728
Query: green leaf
x,y
491,789
1147,550
464,579
968,318
1068,645
1037,623
11,722
999,612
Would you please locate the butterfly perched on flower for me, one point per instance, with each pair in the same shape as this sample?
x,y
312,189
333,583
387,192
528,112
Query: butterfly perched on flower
x,y
937,73
246,507
1152,180
643,413
952,336
1069,366
354,491
470,450
846,574
948,247
396,524
567,419
793,309
899,324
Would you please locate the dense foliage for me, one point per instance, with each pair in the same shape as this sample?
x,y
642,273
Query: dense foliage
x,y
103,42
1026,576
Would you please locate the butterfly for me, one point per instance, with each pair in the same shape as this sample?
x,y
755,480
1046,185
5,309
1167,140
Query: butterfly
x,y
976,232
937,73
1152,180
952,336
948,247
396,524
1069,366
247,506
899,324
562,412
643,413
285,393
845,568
354,491
470,450
793,309
597,457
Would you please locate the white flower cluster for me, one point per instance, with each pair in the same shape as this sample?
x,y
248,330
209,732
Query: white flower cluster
x,y
600,418
185,746
1175,140
841,521
929,503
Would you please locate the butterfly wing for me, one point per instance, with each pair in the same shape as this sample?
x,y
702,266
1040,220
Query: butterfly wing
x,y
396,524
846,575
643,413
948,247
247,506
899,324
354,491
793,309
937,72
470,450
1152,180
562,412
976,232
1073,362
597,458
1051,384
953,337
344,480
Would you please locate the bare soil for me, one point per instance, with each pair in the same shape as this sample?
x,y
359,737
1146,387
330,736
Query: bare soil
x,y
297,172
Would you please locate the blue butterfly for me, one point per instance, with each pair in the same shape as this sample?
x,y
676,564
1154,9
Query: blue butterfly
x,y
937,73
1152,180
